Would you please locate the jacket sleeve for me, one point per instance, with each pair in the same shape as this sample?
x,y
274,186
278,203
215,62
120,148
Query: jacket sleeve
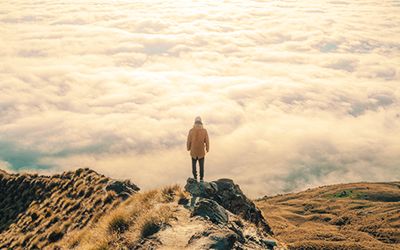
x,y
207,141
189,141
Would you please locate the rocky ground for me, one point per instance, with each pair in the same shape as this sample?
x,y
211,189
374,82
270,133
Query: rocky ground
x,y
218,215
203,215
37,210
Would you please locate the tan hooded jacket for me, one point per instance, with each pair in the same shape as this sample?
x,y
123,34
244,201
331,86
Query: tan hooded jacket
x,y
197,140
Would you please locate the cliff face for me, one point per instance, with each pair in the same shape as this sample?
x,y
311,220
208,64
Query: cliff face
x,y
36,211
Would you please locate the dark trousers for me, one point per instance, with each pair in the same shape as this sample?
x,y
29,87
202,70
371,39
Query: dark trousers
x,y
201,164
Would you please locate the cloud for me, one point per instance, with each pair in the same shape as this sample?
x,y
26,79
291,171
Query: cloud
x,y
5,166
293,93
15,158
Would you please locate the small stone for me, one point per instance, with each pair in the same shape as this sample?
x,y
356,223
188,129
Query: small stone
x,y
269,243
224,241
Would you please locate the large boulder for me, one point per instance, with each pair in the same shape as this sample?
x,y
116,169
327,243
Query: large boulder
x,y
229,195
201,189
211,210
122,188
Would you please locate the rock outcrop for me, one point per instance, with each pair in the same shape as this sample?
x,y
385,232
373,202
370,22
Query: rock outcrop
x,y
211,210
239,224
228,194
37,210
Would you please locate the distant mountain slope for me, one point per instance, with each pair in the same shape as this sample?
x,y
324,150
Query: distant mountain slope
x,y
344,216
36,210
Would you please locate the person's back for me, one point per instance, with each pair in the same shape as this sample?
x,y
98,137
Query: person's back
x,y
198,143
198,139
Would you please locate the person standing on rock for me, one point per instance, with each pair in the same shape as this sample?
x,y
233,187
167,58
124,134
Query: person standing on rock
x,y
198,143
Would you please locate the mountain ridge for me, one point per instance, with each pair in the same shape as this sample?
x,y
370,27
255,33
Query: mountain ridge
x,y
36,210
83,209
202,215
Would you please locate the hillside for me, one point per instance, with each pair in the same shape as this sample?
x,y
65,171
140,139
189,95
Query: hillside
x,y
209,215
345,216
36,210
85,210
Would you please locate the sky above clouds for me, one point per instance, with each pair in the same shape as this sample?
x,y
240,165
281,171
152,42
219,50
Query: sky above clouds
x,y
294,94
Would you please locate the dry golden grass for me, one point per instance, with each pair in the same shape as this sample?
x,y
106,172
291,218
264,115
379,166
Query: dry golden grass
x,y
39,210
150,222
168,193
137,218
345,216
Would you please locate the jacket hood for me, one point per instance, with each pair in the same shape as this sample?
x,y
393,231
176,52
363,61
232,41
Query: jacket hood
x,y
197,125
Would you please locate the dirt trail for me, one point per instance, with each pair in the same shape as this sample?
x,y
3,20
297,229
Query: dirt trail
x,y
178,235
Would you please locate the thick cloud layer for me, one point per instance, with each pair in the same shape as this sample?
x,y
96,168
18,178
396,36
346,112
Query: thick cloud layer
x,y
293,93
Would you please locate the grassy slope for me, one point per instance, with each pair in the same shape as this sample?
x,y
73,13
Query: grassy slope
x,y
344,216
129,224
155,220
37,210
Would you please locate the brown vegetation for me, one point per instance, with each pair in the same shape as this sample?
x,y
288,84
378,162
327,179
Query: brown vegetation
x,y
166,219
139,217
85,210
346,216
36,211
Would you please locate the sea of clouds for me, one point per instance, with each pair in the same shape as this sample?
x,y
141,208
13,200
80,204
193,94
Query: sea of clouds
x,y
294,94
